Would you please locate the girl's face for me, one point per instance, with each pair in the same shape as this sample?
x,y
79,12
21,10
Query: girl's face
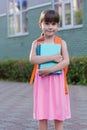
x,y
49,28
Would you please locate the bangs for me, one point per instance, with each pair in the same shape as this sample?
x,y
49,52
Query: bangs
x,y
49,16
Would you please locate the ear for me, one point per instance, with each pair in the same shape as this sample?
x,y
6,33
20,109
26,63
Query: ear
x,y
59,25
40,26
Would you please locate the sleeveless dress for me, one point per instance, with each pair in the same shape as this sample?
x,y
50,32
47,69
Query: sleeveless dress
x,y
50,100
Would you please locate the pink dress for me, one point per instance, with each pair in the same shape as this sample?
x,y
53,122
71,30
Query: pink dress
x,y
50,100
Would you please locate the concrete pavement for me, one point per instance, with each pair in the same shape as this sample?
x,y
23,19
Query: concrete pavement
x,y
16,108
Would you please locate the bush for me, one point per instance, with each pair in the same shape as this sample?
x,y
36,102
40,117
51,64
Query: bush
x,y
20,70
77,71
15,70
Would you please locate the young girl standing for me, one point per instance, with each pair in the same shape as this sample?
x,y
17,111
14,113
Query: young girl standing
x,y
50,100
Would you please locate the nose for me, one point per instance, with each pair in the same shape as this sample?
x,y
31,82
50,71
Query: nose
x,y
50,26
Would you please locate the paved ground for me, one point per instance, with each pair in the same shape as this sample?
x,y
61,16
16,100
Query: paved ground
x,y
16,108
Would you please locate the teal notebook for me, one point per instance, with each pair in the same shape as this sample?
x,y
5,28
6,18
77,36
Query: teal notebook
x,y
48,50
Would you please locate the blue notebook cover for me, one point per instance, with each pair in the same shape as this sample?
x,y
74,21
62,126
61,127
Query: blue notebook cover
x,y
48,50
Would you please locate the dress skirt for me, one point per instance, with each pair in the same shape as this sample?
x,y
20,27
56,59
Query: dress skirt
x,y
50,100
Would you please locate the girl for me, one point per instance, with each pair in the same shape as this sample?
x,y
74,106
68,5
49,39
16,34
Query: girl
x,y
50,100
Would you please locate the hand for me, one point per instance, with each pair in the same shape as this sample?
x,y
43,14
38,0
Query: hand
x,y
57,58
44,72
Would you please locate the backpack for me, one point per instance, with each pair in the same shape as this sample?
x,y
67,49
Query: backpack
x,y
57,40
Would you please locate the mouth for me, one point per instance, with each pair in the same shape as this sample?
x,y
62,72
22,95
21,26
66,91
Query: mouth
x,y
50,31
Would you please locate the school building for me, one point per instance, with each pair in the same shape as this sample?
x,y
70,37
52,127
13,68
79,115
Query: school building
x,y
19,25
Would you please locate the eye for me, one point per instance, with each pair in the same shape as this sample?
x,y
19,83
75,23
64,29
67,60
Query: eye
x,y
47,23
53,23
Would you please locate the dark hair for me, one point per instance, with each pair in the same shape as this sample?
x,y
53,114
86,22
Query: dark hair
x,y
49,16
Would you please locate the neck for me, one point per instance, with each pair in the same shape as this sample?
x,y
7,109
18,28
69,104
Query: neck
x,y
49,39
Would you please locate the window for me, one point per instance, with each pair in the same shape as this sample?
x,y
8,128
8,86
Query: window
x,y
17,17
70,12
77,8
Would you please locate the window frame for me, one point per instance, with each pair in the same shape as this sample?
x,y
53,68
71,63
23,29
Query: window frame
x,y
64,26
20,13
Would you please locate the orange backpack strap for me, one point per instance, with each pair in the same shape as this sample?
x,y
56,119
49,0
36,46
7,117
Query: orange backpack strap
x,y
39,41
33,74
65,80
57,40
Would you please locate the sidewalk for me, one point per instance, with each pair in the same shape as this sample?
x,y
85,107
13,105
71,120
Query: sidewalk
x,y
16,108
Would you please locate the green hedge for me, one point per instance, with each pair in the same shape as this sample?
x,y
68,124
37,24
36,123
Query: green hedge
x,y
78,71
15,70
20,70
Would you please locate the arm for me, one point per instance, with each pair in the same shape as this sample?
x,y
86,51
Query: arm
x,y
35,59
65,61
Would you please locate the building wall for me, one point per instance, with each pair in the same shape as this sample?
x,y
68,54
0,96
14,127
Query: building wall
x,y
19,47
77,38
76,41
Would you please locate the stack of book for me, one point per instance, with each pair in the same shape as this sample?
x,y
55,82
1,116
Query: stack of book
x,y
49,50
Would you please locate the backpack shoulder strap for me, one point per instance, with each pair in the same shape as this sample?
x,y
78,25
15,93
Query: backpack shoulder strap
x,y
38,42
57,40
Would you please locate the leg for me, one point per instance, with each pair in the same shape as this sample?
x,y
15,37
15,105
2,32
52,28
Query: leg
x,y
43,124
58,125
